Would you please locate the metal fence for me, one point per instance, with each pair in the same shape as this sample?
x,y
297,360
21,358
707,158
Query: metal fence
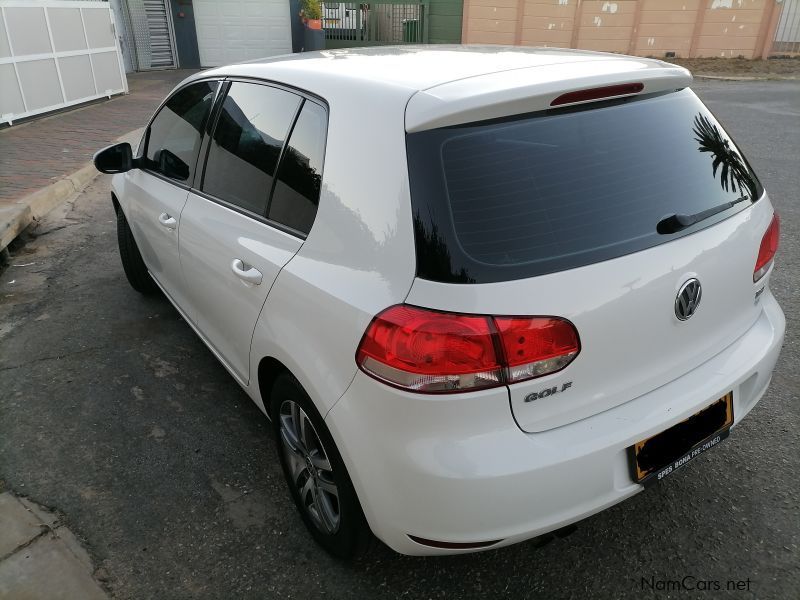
x,y
787,34
354,24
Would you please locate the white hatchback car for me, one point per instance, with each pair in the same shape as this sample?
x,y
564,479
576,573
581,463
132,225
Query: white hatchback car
x,y
481,292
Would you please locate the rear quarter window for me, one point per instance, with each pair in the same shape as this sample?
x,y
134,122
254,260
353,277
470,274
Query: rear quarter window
x,y
544,192
296,196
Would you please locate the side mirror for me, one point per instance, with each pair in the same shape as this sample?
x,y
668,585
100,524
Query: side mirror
x,y
171,165
114,159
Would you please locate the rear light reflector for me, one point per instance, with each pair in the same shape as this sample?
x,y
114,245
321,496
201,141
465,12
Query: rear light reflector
x,y
536,346
429,351
453,545
609,91
768,249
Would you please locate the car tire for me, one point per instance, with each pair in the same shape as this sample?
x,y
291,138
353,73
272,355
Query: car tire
x,y
313,468
132,263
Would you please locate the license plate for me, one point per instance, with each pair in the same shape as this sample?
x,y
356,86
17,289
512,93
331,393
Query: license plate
x,y
666,452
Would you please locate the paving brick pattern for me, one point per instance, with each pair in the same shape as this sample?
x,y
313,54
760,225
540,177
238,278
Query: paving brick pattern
x,y
39,152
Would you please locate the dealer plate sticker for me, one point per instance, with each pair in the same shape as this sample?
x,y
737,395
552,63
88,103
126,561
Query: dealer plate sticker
x,y
690,455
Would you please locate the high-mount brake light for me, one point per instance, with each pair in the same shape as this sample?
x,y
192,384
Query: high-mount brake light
x,y
599,93
768,249
429,351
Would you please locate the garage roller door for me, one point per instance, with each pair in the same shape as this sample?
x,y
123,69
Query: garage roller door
x,y
230,31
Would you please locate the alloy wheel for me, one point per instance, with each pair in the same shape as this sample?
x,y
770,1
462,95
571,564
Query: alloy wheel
x,y
310,468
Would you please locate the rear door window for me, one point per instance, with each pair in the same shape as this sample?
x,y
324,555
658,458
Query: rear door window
x,y
246,144
296,196
544,192
173,138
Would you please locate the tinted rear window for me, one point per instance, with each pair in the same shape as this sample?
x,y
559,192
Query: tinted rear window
x,y
545,192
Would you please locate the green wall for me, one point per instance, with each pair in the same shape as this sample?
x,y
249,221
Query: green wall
x,y
445,21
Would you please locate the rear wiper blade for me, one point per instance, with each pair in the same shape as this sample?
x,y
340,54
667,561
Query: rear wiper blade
x,y
679,221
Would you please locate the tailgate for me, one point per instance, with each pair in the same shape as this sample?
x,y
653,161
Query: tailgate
x,y
599,214
624,310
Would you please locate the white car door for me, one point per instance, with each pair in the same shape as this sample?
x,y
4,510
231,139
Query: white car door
x,y
157,192
236,233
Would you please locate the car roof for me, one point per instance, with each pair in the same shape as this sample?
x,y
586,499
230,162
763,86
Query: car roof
x,y
421,67
451,75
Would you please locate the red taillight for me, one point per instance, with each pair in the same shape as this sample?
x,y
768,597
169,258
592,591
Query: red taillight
x,y
609,91
430,351
769,246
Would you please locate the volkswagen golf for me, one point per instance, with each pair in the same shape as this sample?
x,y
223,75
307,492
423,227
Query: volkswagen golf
x,y
480,292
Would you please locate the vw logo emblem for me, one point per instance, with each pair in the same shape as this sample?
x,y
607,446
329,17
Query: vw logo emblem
x,y
688,299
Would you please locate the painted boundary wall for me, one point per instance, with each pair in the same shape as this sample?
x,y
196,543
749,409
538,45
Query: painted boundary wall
x,y
687,28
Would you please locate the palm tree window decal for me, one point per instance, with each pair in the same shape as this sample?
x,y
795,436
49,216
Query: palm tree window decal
x,y
735,175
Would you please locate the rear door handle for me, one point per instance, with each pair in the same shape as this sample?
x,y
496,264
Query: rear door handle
x,y
167,221
249,274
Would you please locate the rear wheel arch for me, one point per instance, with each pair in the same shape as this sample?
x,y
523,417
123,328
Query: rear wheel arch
x,y
270,368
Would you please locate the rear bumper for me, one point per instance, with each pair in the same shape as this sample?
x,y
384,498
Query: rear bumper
x,y
457,468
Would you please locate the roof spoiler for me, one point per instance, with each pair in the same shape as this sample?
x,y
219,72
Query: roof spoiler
x,y
531,89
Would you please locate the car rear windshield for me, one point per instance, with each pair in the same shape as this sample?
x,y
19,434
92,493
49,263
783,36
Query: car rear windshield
x,y
543,192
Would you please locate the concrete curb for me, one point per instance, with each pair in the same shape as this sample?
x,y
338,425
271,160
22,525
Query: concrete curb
x,y
13,219
40,557
16,216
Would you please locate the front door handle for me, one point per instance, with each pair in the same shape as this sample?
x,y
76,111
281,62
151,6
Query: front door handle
x,y
248,274
167,221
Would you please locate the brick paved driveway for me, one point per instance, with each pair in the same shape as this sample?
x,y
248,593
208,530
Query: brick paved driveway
x,y
39,152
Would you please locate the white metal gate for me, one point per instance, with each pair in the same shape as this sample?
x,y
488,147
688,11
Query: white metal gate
x,y
55,54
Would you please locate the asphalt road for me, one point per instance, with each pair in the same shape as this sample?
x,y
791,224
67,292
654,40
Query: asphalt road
x,y
115,414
